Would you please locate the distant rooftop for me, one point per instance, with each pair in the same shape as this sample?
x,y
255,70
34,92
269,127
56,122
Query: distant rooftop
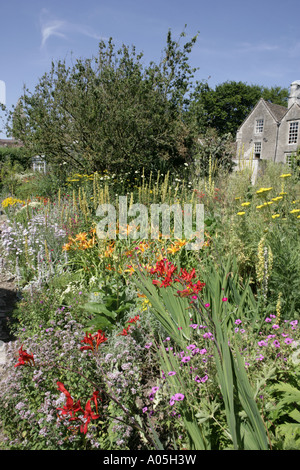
x,y
10,143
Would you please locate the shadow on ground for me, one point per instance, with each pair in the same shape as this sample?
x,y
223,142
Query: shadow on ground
x,y
8,300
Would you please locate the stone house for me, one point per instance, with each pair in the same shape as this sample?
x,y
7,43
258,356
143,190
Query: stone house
x,y
271,132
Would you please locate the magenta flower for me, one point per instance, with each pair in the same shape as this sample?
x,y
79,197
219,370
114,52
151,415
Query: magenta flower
x,y
276,343
288,340
224,299
186,359
237,322
178,396
172,372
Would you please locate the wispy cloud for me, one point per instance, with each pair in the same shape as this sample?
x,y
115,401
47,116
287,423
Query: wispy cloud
x,y
52,28
64,29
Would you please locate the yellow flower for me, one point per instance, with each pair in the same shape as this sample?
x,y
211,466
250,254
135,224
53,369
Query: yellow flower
x,y
259,207
240,213
11,201
109,250
237,198
285,175
130,270
282,193
173,249
276,198
295,202
81,237
263,190
245,204
274,216
294,211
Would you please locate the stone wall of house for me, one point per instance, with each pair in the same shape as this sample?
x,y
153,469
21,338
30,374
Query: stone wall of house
x,y
247,136
283,147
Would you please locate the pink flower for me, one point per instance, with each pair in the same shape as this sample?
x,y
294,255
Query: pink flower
x,y
224,299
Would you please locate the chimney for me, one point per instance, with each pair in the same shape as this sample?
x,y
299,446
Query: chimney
x,y
294,93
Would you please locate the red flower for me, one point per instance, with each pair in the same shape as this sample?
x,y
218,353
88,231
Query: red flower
x,y
185,276
134,320
88,415
99,338
70,407
24,358
125,331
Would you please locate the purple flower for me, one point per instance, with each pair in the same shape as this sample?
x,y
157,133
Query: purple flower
x,y
288,340
276,343
237,322
203,351
191,346
186,359
144,409
155,389
262,343
172,372
178,396
148,345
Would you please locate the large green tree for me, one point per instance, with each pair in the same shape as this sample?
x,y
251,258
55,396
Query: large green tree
x,y
225,107
110,111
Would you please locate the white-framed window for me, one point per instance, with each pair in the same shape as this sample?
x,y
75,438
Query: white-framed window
x,y
257,149
259,126
39,164
293,132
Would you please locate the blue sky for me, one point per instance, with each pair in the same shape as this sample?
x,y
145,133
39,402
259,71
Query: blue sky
x,y
257,44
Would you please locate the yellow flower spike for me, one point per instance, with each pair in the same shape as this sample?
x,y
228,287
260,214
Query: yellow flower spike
x,y
241,213
263,190
274,216
278,198
294,211
245,204
285,175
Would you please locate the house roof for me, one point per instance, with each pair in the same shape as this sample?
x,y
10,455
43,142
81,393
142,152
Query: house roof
x,y
10,143
277,110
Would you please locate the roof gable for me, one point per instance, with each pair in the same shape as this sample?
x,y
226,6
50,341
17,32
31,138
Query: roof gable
x,y
292,109
275,110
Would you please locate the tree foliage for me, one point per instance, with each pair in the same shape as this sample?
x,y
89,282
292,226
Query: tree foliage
x,y
109,112
225,107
